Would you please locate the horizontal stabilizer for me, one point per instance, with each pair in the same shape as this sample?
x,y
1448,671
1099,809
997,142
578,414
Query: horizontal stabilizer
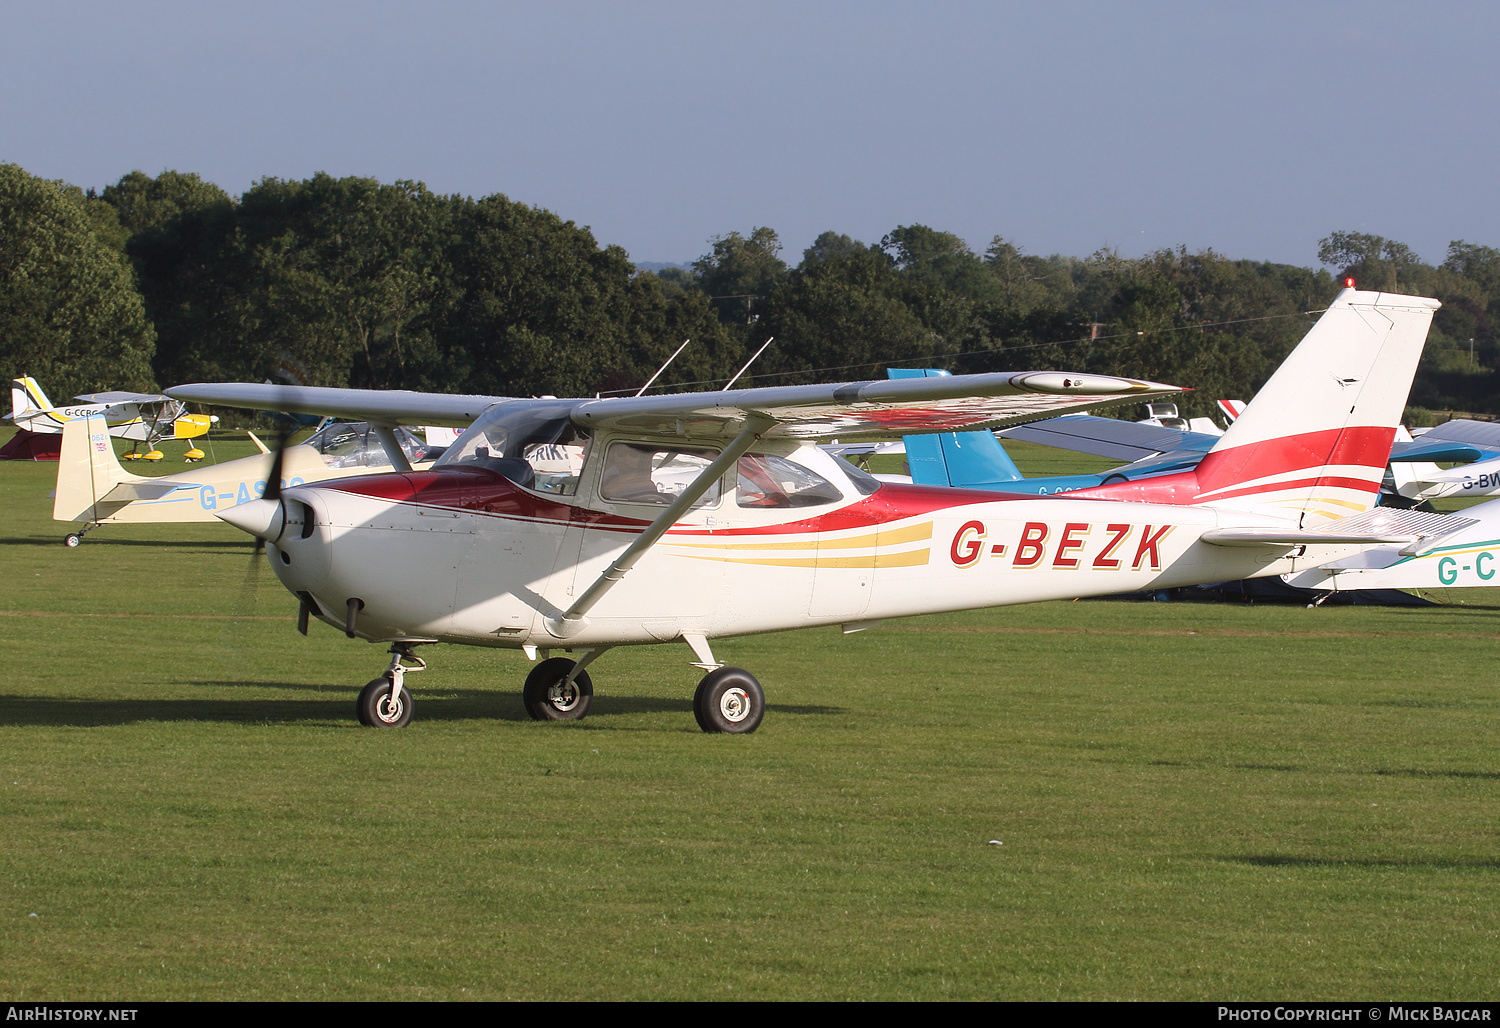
x,y
1381,525
1283,537
1108,437
128,492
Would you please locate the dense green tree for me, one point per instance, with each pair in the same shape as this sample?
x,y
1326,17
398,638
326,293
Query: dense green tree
x,y
830,245
544,309
69,310
841,313
357,282
740,273
1374,261
174,225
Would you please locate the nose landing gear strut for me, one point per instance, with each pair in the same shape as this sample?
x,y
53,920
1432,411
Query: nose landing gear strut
x,y
385,703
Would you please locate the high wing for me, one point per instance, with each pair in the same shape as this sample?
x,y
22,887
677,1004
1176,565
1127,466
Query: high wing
x,y
382,406
847,411
1425,450
1107,437
1484,434
121,397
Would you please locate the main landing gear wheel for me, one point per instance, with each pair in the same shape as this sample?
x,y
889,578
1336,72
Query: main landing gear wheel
x,y
548,699
729,700
376,709
72,540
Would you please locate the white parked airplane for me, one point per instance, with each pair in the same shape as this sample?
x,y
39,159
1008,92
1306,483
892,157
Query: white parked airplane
x,y
700,517
1425,480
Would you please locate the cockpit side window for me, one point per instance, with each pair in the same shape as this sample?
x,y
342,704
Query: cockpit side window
x,y
640,473
775,482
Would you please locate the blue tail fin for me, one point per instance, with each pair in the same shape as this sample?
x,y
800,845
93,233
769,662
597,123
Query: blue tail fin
x,y
954,458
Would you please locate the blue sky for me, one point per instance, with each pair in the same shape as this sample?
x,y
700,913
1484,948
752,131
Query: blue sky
x,y
1253,128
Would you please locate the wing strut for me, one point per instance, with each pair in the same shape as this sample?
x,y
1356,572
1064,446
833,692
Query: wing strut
x,y
387,436
573,620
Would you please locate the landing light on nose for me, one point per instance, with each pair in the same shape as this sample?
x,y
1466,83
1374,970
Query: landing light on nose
x,y
263,519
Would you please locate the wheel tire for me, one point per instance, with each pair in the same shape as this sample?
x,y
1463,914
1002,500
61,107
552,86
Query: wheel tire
x,y
546,702
729,700
373,705
72,540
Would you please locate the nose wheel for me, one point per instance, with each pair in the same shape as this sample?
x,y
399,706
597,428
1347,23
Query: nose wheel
x,y
384,702
380,706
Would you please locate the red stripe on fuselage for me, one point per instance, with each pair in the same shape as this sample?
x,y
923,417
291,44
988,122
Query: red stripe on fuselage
x,y
1367,446
486,492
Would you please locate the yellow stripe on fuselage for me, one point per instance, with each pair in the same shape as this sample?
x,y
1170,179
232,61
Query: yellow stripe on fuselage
x,y
907,559
879,537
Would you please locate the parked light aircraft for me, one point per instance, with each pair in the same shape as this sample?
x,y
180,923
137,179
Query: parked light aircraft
x,y
1425,480
94,489
653,539
140,417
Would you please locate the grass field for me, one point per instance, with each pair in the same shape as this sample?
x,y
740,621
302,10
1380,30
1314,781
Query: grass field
x,y
1195,802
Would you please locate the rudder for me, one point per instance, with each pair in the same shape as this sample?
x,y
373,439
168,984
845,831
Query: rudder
x,y
1315,441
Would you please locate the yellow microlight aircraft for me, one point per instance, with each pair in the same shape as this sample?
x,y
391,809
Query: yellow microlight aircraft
x,y
94,489
140,417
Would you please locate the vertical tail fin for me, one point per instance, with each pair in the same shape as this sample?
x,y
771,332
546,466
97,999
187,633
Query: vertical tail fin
x,y
954,458
86,471
26,397
1314,442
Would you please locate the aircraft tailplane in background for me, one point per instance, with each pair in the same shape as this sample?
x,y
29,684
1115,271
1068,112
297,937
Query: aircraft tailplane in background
x,y
972,459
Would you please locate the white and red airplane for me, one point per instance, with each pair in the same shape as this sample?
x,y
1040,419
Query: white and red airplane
x,y
704,516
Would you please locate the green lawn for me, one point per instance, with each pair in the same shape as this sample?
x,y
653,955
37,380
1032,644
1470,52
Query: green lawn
x,y
1195,802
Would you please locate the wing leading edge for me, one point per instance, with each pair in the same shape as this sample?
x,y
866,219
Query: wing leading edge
x,y
383,406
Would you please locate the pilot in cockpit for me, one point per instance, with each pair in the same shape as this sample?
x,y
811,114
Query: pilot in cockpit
x,y
627,476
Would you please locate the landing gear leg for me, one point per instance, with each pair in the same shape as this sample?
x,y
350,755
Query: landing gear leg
x,y
72,540
384,702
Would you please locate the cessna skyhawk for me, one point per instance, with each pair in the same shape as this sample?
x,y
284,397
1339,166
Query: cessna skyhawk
x,y
585,524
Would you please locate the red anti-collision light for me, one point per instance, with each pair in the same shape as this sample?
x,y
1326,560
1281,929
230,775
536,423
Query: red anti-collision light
x,y
1349,282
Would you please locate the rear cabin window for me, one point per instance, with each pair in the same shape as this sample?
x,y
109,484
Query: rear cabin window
x,y
636,473
766,481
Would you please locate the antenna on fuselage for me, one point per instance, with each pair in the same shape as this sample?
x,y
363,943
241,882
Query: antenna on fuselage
x,y
749,362
659,370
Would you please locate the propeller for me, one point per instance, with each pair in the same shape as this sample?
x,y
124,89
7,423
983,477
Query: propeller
x,y
264,518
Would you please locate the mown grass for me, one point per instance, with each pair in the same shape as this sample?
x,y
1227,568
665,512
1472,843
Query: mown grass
x,y
1195,801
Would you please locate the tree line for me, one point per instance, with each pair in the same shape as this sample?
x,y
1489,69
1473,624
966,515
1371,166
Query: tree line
x,y
354,282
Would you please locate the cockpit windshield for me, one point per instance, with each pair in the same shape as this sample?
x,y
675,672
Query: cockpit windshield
x,y
353,444
534,445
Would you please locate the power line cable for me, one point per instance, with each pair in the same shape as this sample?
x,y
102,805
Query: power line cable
x,y
969,353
